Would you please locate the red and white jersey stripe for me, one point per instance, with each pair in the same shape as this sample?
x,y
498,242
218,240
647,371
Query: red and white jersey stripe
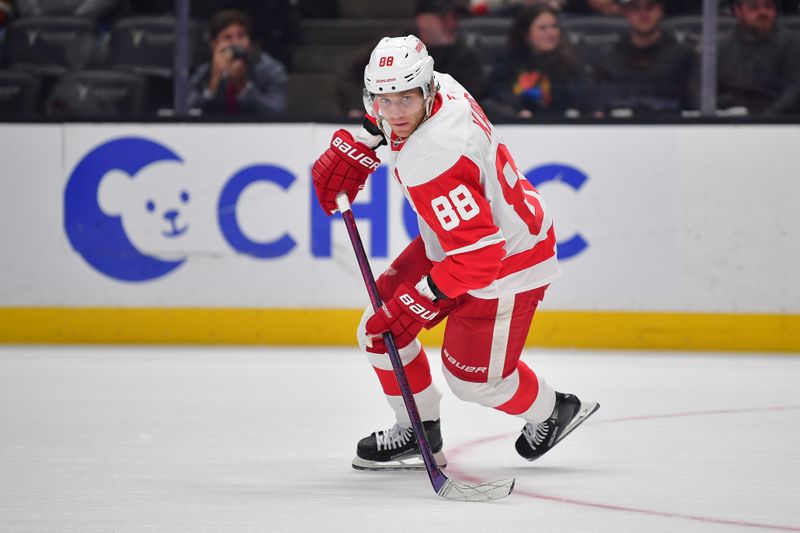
x,y
485,227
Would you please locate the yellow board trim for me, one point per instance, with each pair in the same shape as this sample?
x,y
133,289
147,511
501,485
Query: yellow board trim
x,y
553,329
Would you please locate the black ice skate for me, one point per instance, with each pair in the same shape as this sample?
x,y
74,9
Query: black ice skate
x,y
397,449
568,413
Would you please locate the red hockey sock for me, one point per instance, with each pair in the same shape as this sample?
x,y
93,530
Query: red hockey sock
x,y
418,373
527,391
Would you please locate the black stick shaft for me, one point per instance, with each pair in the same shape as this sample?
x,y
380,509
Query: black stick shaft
x,y
438,479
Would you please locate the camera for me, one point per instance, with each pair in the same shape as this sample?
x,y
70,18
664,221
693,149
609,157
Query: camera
x,y
239,53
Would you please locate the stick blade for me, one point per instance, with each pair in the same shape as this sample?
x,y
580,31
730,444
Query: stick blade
x,y
470,492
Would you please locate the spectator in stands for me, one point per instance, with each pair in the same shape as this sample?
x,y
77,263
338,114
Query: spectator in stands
x,y
276,27
238,79
648,71
437,25
759,62
6,14
275,24
540,74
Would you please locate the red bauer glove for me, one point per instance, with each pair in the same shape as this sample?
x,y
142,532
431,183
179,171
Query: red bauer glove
x,y
404,316
344,167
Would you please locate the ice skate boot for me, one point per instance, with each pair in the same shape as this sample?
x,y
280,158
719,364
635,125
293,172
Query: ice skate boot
x,y
568,413
397,449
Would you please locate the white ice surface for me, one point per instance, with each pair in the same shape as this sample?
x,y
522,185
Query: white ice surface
x,y
163,439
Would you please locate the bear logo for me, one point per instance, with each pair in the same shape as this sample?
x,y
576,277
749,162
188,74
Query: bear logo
x,y
114,238
153,206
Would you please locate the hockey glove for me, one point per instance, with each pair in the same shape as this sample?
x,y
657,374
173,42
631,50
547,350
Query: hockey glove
x,y
404,316
343,168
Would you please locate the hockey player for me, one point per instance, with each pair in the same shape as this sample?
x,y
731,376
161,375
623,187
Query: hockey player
x,y
484,258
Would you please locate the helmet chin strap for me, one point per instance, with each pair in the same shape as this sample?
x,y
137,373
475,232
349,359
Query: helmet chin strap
x,y
386,128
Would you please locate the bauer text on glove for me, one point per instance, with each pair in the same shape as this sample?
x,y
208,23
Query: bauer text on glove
x,y
404,315
342,168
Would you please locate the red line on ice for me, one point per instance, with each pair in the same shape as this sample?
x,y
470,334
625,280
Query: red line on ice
x,y
453,452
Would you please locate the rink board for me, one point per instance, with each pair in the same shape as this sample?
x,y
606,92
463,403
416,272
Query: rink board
x,y
669,236
555,329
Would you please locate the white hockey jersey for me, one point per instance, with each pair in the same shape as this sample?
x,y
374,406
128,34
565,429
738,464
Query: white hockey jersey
x,y
485,227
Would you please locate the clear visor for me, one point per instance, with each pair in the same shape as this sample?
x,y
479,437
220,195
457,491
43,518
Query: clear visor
x,y
396,104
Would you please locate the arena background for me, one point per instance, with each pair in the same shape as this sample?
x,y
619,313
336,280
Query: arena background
x,y
177,316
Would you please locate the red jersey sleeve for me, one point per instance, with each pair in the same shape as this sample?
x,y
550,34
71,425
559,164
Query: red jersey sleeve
x,y
453,205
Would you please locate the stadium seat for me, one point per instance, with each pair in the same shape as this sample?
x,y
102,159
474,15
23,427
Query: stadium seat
x,y
485,26
792,22
593,36
19,92
50,45
55,7
487,47
487,36
68,8
97,93
321,58
312,95
592,30
689,28
146,45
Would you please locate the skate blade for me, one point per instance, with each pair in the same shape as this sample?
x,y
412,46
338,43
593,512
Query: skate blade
x,y
587,409
411,463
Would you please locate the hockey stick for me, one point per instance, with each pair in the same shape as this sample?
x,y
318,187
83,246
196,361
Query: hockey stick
x,y
444,487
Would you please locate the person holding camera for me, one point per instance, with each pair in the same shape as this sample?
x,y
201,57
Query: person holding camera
x,y
238,79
